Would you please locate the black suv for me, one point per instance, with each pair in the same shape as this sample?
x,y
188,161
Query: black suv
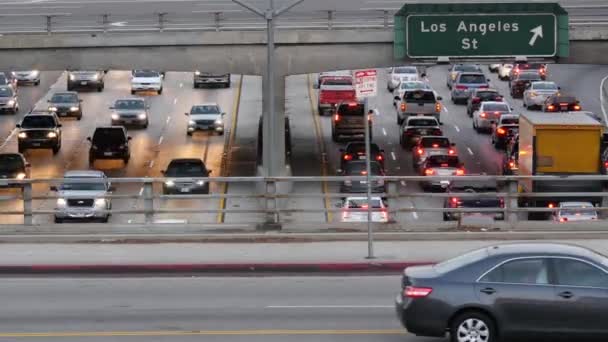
x,y
358,168
487,199
66,104
12,166
180,174
519,82
39,129
109,142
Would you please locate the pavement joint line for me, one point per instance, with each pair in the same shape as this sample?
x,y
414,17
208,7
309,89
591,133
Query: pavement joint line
x,y
603,99
205,333
384,131
445,109
393,155
228,144
160,140
319,135
470,151
175,101
141,191
151,165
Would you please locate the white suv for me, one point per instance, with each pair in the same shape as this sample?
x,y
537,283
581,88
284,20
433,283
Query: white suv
x,y
146,80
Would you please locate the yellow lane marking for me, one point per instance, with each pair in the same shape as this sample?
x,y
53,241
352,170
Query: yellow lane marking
x,y
228,149
321,141
203,333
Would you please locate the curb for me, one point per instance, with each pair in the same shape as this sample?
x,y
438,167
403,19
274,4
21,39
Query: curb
x,y
371,267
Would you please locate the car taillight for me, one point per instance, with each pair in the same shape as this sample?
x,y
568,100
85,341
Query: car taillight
x,y
501,131
364,173
437,132
550,107
437,107
348,157
435,145
462,87
417,292
345,214
429,172
476,100
379,157
502,202
551,206
483,115
336,117
577,107
403,107
451,152
511,165
563,219
563,104
606,164
384,215
420,151
455,200
352,104
460,172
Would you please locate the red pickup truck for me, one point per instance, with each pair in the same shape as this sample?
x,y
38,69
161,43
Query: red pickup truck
x,y
334,90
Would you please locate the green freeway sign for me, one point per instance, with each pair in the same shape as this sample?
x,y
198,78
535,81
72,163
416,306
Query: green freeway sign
x,y
481,35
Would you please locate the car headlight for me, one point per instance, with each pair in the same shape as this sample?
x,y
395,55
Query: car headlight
x,y
72,77
115,117
35,73
169,183
22,135
200,182
53,109
95,77
61,202
100,202
11,102
219,122
191,123
197,72
142,116
20,175
93,147
51,135
13,73
73,109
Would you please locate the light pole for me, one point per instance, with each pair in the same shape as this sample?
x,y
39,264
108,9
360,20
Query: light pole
x,y
368,168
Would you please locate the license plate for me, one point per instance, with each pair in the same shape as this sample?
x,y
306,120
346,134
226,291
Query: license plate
x,y
204,127
564,107
446,183
434,153
423,132
363,182
107,154
362,157
184,190
35,144
83,83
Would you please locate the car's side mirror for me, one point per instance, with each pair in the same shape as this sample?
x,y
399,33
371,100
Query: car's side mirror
x,y
187,114
129,138
397,98
59,125
338,205
48,101
452,144
147,107
223,114
209,172
382,151
89,139
559,88
18,125
487,79
110,107
81,100
439,98
53,188
162,172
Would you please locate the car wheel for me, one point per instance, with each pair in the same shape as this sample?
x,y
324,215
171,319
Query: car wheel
x,y
446,217
99,89
227,85
189,133
79,117
104,219
453,100
160,91
220,133
195,86
20,148
132,92
56,149
37,83
145,125
58,220
334,137
473,326
320,110
399,120
126,160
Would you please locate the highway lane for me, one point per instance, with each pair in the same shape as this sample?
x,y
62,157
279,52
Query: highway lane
x,y
220,309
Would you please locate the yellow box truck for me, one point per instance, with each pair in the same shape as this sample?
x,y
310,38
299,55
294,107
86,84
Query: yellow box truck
x,y
560,144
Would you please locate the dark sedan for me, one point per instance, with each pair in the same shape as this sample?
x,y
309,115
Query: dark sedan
x,y
519,82
356,151
508,292
561,103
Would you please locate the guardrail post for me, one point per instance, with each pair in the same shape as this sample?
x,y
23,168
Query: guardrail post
x,y
105,21
330,19
392,191
49,24
218,18
271,221
161,21
28,218
511,203
148,201
385,19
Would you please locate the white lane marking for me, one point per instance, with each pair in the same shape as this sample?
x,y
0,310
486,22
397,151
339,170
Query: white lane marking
x,y
393,155
175,101
456,128
603,100
181,85
129,221
414,214
384,131
403,183
328,307
151,164
160,140
10,136
168,120
445,109
141,191
470,151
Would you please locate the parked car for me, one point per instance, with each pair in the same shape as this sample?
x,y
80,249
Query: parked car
x,y
66,104
130,111
509,292
80,79
486,198
416,127
39,130
77,198
27,77
355,209
417,102
146,80
465,82
356,151
203,78
182,174
109,142
13,166
9,101
206,117
575,212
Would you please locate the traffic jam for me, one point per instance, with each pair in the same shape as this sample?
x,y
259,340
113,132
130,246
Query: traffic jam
x,y
534,112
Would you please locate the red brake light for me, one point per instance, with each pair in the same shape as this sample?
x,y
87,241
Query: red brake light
x,y
451,152
496,113
429,172
420,151
501,131
551,107
563,219
403,107
476,100
606,164
462,87
352,104
502,202
577,107
364,173
551,205
417,292
336,117
511,165
379,157
483,115
348,157
435,145
460,172
563,103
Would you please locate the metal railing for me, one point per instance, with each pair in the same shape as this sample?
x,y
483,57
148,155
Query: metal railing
x,y
56,23
269,200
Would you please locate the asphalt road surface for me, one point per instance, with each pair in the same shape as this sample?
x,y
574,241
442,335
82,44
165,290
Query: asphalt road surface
x,y
212,309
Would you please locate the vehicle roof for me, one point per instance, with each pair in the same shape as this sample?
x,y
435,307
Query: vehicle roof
x,y
66,92
494,103
39,112
559,119
83,174
206,104
573,203
539,248
131,99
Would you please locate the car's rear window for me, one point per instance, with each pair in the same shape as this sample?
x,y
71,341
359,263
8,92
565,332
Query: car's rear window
x,y
38,121
435,142
406,70
419,96
414,85
422,122
141,73
443,161
545,86
203,109
360,147
476,186
109,136
465,67
529,66
472,79
361,203
509,121
337,82
569,99
529,76
461,261
358,169
495,107
349,109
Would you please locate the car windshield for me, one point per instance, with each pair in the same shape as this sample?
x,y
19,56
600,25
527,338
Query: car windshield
x,y
529,76
64,98
358,169
109,137
435,142
509,121
211,109
130,104
337,82
472,79
419,96
422,122
466,68
406,70
78,186
9,162
186,169
361,203
496,107
351,109
6,92
443,161
38,121
461,261
360,148
486,94
544,86
141,73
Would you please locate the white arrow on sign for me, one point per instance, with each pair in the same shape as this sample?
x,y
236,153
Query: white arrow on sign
x,y
538,32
